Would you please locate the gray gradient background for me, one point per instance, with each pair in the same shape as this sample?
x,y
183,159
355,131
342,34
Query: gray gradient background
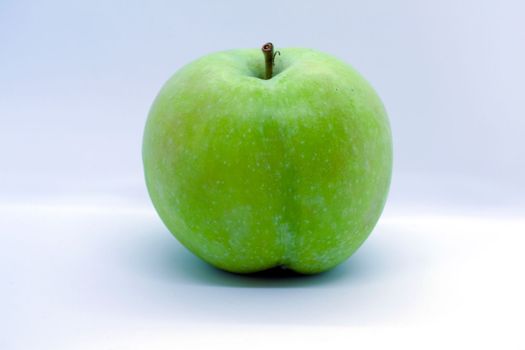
x,y
77,79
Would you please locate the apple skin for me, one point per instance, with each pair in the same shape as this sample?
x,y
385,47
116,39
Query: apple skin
x,y
251,174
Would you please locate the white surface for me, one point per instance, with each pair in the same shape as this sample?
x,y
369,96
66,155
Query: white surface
x,y
86,264
101,274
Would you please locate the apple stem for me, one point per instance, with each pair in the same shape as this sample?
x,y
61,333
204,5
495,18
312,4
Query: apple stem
x,y
269,58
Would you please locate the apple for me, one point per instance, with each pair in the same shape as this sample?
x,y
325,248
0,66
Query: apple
x,y
255,160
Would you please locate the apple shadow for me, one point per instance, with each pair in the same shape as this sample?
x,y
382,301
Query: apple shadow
x,y
383,280
162,257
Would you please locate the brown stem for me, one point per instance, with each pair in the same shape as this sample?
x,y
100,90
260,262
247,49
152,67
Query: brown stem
x,y
267,50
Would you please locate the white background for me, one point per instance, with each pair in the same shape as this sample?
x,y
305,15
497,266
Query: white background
x,y
85,263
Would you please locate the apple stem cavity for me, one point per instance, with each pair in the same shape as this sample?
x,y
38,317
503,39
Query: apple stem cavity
x,y
269,59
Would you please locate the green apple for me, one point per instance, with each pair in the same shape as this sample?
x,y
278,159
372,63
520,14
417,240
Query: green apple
x,y
251,173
